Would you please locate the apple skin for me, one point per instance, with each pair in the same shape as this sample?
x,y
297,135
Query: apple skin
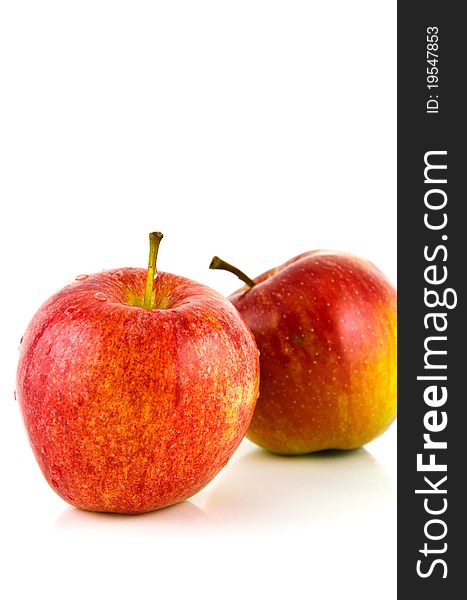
x,y
325,325
128,409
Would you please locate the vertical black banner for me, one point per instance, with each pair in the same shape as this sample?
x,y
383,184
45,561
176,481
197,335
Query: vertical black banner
x,y
432,444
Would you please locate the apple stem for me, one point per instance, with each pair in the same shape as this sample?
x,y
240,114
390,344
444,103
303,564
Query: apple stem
x,y
154,241
218,263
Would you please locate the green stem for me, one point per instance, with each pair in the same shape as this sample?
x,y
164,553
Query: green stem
x,y
218,263
154,241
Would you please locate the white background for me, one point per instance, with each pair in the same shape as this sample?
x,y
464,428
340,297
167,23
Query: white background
x,y
253,130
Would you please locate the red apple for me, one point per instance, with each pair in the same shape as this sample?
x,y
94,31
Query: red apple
x,y
135,390
325,326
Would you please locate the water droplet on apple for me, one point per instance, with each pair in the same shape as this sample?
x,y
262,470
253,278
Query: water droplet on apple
x,y
71,310
44,450
81,277
56,472
100,296
118,275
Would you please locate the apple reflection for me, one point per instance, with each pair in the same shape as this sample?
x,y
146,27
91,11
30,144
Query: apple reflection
x,y
264,491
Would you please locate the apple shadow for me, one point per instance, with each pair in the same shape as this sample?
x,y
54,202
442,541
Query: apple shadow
x,y
266,492
263,492
184,517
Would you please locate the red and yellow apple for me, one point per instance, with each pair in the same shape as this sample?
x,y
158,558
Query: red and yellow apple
x,y
135,388
325,326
